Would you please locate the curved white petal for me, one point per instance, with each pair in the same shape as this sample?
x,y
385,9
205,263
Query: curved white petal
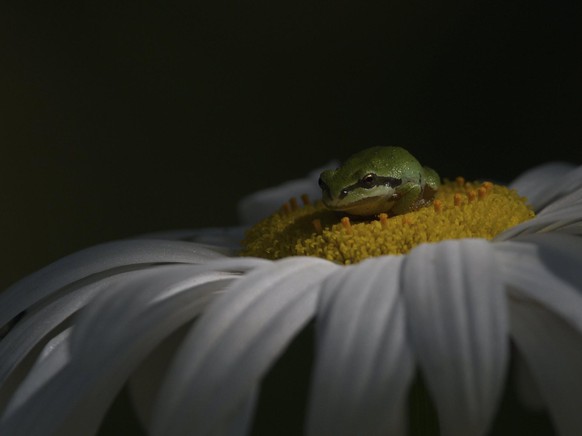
x,y
145,381
545,268
565,218
363,365
539,183
563,202
553,351
564,185
545,289
105,259
115,332
33,328
53,358
263,203
242,418
458,327
234,344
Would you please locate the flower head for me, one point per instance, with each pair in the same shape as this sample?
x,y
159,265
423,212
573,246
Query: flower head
x,y
193,332
460,210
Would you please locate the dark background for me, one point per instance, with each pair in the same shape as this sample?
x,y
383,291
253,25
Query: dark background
x,y
122,119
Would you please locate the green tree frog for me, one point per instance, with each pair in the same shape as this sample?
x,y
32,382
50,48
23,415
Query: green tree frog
x,y
377,180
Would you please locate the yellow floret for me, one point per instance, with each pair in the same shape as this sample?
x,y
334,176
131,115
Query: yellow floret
x,y
460,210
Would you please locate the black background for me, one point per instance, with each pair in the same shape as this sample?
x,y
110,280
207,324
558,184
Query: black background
x,y
118,119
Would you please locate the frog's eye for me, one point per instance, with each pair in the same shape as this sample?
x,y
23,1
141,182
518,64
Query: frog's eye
x,y
322,184
368,181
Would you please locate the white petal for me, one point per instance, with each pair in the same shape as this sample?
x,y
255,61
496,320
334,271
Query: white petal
x,y
545,268
145,381
458,327
34,327
564,185
363,364
538,184
553,351
545,286
566,219
115,332
261,204
52,359
234,344
563,202
105,259
241,418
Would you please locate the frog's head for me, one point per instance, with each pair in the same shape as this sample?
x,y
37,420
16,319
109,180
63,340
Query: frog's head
x,y
367,183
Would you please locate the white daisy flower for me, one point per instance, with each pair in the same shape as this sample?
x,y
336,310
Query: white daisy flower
x,y
407,335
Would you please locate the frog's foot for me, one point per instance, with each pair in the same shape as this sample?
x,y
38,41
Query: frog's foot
x,y
425,198
407,202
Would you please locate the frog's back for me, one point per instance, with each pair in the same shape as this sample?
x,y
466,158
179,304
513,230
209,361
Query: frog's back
x,y
378,155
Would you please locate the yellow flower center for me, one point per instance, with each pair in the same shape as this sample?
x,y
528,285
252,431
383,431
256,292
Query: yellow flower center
x,y
460,210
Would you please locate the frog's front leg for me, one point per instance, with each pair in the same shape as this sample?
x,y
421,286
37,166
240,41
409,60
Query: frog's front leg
x,y
408,201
